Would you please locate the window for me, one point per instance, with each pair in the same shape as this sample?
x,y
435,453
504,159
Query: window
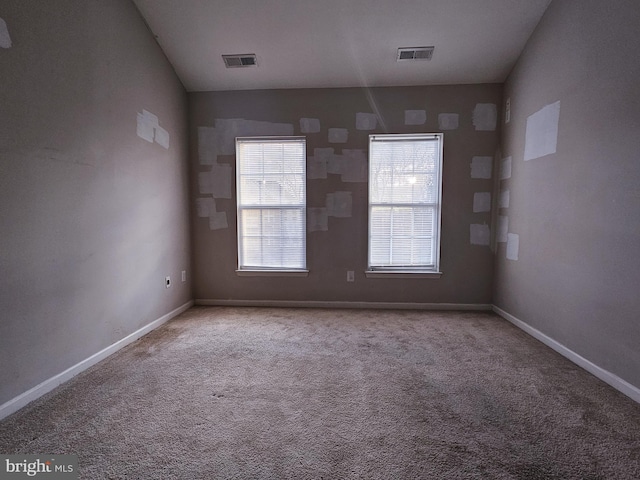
x,y
271,195
405,185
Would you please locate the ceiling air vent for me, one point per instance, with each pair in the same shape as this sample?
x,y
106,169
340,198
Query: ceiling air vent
x,y
415,53
244,60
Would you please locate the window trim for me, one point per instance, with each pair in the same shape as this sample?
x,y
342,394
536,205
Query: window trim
x,y
270,271
405,271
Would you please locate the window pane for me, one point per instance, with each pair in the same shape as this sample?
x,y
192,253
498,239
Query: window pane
x,y
272,174
404,191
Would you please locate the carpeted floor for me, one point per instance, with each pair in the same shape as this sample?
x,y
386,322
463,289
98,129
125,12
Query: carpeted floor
x,y
334,394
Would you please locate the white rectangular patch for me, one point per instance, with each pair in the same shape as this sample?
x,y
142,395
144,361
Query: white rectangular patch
x,y
415,117
218,221
513,246
317,219
479,234
503,228
485,116
339,204
505,169
144,128
481,202
162,137
5,39
481,167
504,199
541,136
366,121
309,125
338,135
448,121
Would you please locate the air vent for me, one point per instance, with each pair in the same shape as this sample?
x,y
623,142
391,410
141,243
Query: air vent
x,y
414,53
238,61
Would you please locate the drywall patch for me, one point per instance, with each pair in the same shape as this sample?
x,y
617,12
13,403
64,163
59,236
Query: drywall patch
x,y
481,167
448,121
541,135
5,39
149,129
485,117
479,234
324,161
503,201
338,135
481,202
513,246
366,121
227,129
503,228
205,207
316,167
207,146
317,219
218,221
339,204
505,168
162,137
354,165
415,117
309,125
146,123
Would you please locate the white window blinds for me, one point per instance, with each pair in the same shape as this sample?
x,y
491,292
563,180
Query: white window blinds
x,y
271,196
404,201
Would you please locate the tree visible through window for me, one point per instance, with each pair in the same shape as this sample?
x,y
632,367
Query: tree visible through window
x,y
271,197
405,181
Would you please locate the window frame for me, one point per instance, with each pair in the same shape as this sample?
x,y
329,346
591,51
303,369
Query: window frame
x,y
398,271
255,270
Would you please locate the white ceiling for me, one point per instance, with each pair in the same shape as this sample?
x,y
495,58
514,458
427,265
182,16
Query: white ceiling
x,y
340,43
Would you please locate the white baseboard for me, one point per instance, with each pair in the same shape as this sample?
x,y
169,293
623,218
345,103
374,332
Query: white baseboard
x,y
36,392
616,382
322,304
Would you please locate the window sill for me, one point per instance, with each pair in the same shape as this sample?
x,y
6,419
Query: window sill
x,y
272,273
402,274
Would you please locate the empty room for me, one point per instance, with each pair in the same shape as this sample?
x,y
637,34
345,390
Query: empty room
x,y
320,239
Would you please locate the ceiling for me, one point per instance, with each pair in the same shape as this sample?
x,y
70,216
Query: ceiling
x,y
340,43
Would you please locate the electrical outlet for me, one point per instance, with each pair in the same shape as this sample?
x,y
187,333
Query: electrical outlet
x,y
184,275
167,281
351,276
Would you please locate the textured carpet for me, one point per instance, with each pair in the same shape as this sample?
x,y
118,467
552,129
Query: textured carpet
x,y
334,394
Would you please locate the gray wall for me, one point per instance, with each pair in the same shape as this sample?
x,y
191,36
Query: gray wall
x,y
92,217
577,212
467,268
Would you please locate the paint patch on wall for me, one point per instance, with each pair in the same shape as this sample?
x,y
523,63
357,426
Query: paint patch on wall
x,y
5,39
339,204
149,129
481,167
162,137
316,167
309,125
513,246
415,117
505,168
354,166
338,135
317,219
366,121
481,202
448,121
227,129
205,207
485,116
218,221
541,135
207,146
479,234
503,202
503,228
146,124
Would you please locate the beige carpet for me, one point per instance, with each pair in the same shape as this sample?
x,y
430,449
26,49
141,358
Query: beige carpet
x,y
335,394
